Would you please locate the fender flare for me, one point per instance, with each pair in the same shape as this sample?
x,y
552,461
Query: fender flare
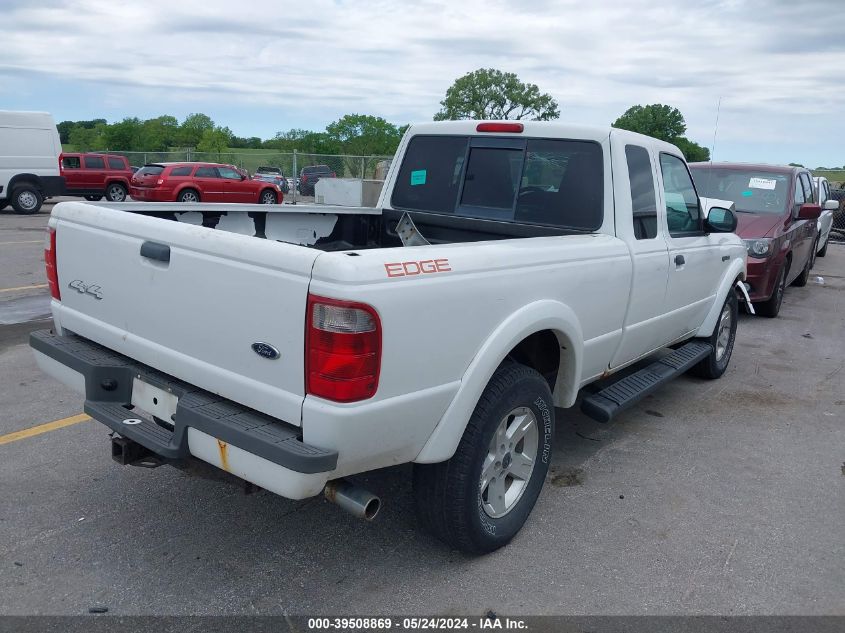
x,y
17,178
530,319
735,271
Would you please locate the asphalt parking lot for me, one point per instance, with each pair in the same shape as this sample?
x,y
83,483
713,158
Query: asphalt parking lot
x,y
723,497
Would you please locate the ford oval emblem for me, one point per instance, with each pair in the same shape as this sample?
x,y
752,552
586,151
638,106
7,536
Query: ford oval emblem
x,y
265,350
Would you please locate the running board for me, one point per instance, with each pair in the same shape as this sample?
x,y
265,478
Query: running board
x,y
624,393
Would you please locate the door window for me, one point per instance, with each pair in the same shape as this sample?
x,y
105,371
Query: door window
x,y
808,187
683,214
206,172
181,171
643,202
800,196
116,163
94,162
226,172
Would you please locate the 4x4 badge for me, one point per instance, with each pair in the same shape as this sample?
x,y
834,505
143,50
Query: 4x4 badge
x,y
85,289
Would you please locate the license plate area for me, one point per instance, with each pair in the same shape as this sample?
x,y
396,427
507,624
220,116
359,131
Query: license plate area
x,y
154,401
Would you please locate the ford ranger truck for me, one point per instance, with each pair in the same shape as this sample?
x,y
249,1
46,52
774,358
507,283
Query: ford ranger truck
x,y
507,266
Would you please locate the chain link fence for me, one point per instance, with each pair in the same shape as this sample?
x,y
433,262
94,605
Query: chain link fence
x,y
836,178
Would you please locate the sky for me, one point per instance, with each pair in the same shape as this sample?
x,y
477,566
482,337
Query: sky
x,y
260,67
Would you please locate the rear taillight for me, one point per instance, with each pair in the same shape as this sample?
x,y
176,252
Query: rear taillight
x,y
304,178
50,263
342,349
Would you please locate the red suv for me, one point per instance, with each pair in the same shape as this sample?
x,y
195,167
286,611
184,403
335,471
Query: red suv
x,y
777,212
96,175
192,182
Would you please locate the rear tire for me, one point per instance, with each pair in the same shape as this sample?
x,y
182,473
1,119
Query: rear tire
x,y
116,192
26,199
722,340
188,195
823,251
771,307
457,500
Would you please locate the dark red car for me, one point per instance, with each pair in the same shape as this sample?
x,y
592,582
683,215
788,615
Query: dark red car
x,y
195,182
777,213
96,175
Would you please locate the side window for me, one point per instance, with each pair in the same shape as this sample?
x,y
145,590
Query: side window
x,y
181,171
94,162
800,196
643,201
206,172
226,172
683,214
116,163
808,187
71,162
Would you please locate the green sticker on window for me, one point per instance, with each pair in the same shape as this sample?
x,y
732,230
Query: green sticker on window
x,y
418,177
747,193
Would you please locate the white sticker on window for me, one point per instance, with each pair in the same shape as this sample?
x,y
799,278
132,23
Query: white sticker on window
x,y
762,183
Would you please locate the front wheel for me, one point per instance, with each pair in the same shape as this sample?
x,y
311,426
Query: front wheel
x,y
722,341
26,200
479,499
801,280
268,197
771,307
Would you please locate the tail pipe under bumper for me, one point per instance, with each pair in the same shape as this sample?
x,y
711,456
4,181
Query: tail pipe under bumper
x,y
354,499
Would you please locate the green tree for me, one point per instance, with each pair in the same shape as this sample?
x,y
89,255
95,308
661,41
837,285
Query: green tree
x,y
85,139
693,152
124,135
657,120
159,134
192,129
215,140
488,93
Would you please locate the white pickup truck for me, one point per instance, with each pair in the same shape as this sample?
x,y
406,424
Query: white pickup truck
x,y
507,266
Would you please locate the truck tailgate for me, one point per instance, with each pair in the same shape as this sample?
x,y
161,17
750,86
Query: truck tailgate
x,y
196,316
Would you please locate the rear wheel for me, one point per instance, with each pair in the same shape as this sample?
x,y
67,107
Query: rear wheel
x,y
189,195
116,192
479,499
26,199
722,340
268,196
823,250
771,307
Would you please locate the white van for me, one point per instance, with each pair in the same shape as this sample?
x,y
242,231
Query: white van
x,y
29,160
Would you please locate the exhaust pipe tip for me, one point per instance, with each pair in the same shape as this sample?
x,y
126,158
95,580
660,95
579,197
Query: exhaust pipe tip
x,y
354,499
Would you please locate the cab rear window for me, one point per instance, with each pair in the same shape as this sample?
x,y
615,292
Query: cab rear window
x,y
549,182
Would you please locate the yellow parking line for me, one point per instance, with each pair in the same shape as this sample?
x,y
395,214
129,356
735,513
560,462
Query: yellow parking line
x,y
43,428
23,288
26,242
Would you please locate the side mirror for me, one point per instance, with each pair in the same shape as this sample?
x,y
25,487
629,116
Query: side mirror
x,y
809,211
720,220
831,205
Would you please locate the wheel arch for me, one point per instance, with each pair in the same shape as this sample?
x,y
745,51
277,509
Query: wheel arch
x,y
18,179
521,337
734,273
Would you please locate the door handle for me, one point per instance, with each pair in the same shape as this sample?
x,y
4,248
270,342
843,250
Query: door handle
x,y
154,250
679,260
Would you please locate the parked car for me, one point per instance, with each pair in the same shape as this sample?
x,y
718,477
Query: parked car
x,y
309,176
96,175
543,257
195,182
777,215
825,221
274,175
29,160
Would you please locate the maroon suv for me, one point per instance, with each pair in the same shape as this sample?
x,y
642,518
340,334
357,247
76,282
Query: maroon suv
x,y
777,215
96,175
